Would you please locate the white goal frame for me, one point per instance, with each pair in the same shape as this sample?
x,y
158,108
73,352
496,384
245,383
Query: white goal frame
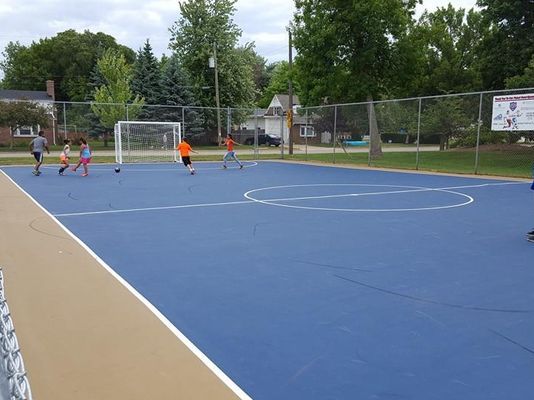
x,y
127,152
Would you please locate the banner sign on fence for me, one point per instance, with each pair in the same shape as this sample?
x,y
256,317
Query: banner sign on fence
x,y
513,113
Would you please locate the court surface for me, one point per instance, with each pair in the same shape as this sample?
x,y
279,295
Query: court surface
x,y
311,282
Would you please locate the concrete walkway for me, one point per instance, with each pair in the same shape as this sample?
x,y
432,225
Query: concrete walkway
x,y
249,150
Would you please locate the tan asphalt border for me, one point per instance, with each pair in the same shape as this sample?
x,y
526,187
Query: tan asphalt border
x,y
86,334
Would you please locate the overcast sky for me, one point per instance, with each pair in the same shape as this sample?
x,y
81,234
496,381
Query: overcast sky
x,y
131,22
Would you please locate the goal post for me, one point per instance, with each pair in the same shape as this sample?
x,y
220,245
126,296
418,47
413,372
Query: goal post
x,y
147,141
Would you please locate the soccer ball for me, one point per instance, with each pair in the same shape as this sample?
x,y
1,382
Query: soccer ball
x,y
117,170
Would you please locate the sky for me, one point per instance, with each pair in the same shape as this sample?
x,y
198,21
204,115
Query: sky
x,y
132,22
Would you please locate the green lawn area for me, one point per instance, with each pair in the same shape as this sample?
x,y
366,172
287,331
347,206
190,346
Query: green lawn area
x,y
461,162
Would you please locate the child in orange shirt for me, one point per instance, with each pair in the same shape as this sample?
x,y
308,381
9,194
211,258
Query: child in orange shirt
x,y
230,153
184,148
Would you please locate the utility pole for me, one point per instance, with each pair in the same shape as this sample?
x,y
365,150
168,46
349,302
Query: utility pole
x,y
290,92
217,102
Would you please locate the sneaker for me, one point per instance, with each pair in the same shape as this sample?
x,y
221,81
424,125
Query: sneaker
x,y
224,166
37,173
73,169
85,174
61,173
34,172
530,238
531,233
193,172
241,166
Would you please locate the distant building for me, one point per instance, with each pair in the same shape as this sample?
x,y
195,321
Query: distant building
x,y
44,98
276,121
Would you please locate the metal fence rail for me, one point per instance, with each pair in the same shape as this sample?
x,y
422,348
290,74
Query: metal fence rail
x,y
12,363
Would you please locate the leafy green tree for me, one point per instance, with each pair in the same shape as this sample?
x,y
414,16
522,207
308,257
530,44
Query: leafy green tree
x,y
509,45
446,117
449,38
347,51
524,80
67,58
114,100
146,80
203,26
17,114
278,83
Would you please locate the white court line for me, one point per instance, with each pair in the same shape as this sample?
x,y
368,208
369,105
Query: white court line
x,y
153,208
269,201
195,350
179,167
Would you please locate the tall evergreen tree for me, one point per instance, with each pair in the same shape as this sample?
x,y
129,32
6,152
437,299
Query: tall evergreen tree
x,y
176,90
146,80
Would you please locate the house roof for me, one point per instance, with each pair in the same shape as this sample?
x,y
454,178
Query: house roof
x,y
24,95
284,100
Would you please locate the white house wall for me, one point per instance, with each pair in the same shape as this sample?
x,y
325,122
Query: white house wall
x,y
272,127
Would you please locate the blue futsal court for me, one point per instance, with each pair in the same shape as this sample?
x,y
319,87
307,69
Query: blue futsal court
x,y
307,282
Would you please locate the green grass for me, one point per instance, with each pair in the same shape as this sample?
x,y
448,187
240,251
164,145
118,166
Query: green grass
x,y
490,163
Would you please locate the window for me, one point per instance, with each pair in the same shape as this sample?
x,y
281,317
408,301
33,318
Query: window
x,y
27,131
307,131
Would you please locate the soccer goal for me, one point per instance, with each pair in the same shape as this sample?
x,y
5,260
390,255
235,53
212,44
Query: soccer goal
x,y
146,141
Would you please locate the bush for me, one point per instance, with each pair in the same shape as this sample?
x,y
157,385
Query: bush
x,y
486,137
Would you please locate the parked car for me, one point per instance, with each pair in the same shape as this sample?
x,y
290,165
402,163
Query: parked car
x,y
264,138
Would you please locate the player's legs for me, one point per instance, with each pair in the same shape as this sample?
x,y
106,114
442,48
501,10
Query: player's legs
x,y
227,157
237,160
39,158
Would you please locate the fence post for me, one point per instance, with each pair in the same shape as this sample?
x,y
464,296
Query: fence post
x,y
334,135
228,120
370,116
256,150
65,119
479,124
183,121
306,137
418,135
127,117
282,135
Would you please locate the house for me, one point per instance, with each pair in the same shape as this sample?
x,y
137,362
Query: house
x,y
43,98
276,121
253,120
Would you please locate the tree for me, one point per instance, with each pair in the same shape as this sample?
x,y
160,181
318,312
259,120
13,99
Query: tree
x,y
525,80
449,39
203,25
176,90
509,46
446,117
67,58
114,100
17,114
278,83
347,51
146,80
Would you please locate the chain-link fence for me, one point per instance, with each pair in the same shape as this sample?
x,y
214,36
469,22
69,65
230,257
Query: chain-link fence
x,y
14,384
450,133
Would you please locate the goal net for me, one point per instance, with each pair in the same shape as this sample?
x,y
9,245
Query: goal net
x,y
146,141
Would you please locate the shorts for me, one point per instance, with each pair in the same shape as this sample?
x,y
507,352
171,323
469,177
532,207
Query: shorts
x,y
186,160
85,161
38,156
64,159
